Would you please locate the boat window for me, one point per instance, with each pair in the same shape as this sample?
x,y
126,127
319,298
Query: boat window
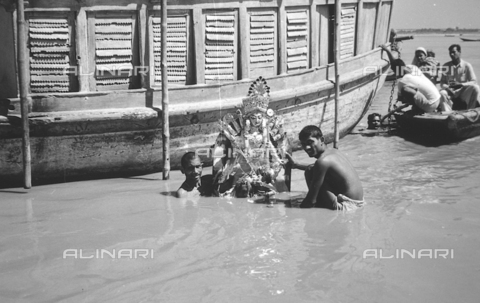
x,y
297,40
366,28
220,46
383,20
52,52
114,50
263,43
347,31
177,49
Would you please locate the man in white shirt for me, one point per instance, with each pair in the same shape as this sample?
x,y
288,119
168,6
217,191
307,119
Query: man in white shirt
x,y
416,89
459,81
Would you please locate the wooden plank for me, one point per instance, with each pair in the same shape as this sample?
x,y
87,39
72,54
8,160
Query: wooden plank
x,y
262,59
282,28
91,51
314,38
199,44
296,44
297,58
218,37
297,64
265,24
263,52
378,17
226,71
323,34
262,30
302,15
267,17
221,30
244,47
142,33
296,51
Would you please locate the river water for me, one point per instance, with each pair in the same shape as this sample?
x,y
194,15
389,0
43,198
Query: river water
x,y
230,250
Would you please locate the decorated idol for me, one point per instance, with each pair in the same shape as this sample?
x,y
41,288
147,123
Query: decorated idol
x,y
250,150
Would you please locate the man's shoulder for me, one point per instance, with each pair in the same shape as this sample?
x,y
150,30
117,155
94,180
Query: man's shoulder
x,y
185,186
329,156
465,63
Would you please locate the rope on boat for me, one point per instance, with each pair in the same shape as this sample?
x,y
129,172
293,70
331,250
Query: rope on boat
x,y
390,111
472,120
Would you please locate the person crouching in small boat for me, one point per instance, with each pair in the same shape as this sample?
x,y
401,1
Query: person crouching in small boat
x,y
415,89
427,64
195,183
459,81
332,180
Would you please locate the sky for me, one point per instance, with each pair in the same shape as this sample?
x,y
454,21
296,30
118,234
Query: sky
x,y
436,14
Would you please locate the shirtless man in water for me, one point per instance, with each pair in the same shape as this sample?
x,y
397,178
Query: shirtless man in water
x,y
332,180
195,184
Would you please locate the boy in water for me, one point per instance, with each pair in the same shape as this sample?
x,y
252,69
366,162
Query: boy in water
x,y
332,180
374,121
194,183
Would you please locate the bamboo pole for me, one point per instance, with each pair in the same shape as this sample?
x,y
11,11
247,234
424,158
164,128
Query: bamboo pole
x,y
338,8
165,101
23,86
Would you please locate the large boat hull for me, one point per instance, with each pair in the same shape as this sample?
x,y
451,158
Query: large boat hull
x,y
71,145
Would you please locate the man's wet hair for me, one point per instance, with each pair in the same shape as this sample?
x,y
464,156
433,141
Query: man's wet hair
x,y
187,158
457,46
398,67
310,131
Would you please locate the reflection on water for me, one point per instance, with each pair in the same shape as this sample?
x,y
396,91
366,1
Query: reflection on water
x,y
229,250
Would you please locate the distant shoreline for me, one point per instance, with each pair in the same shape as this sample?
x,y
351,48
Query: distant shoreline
x,y
438,32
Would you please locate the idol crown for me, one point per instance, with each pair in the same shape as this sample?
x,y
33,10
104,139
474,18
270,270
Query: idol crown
x,y
258,97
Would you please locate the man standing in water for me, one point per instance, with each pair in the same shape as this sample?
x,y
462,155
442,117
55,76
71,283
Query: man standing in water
x,y
459,80
332,180
195,183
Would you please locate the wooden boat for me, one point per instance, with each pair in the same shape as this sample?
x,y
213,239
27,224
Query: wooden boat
x,y
440,127
95,76
470,39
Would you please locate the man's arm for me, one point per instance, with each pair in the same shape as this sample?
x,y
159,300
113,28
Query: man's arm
x,y
470,74
317,177
295,164
443,77
389,53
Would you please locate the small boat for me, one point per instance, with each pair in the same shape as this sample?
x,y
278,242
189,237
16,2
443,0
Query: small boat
x,y
440,127
470,39
95,84
450,35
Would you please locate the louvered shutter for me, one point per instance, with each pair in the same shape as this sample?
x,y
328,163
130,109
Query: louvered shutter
x,y
297,40
262,44
220,36
177,46
51,55
113,52
347,32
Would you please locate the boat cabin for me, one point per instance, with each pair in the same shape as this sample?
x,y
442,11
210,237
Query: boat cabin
x,y
83,47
